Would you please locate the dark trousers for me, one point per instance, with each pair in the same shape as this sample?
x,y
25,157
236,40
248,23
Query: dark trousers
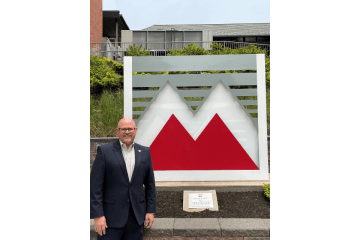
x,y
131,231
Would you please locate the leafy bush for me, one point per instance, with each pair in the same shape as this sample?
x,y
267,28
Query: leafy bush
x,y
267,70
137,51
268,108
219,49
191,49
105,74
266,188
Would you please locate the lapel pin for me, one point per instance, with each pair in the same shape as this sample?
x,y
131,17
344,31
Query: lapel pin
x,y
139,150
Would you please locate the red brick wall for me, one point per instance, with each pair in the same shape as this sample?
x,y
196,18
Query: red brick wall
x,y
96,20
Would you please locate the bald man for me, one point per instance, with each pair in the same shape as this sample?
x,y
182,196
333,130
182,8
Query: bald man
x,y
117,199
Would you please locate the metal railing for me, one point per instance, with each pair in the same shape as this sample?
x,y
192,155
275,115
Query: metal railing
x,y
117,50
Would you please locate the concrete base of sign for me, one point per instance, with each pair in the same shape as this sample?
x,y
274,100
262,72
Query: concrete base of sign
x,y
186,201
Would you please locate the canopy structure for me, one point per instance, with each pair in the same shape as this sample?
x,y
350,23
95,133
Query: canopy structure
x,y
113,23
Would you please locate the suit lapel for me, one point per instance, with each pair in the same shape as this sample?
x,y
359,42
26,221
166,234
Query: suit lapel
x,y
120,159
137,160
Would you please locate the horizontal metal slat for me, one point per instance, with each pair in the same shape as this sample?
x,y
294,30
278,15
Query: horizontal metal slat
x,y
148,80
137,112
194,79
248,102
144,94
193,93
252,110
141,104
244,92
194,63
193,103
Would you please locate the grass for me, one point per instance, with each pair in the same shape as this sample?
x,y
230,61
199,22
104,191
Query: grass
x,y
105,113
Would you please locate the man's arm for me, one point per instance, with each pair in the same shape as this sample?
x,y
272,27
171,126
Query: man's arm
x,y
150,193
96,190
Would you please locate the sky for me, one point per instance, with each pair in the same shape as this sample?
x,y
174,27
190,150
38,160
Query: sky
x,y
140,14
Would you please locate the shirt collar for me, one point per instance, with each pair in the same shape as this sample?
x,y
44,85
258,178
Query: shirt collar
x,y
123,146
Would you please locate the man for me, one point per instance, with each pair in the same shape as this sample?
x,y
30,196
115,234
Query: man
x,y
117,201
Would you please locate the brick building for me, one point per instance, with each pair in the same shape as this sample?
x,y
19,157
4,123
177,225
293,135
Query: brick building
x,y
96,20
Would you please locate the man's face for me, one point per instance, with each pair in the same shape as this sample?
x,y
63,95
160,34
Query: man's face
x,y
127,136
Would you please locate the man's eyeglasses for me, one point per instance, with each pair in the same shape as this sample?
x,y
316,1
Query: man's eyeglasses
x,y
127,129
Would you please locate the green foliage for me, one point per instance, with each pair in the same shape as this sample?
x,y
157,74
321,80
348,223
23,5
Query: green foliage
x,y
191,49
266,188
268,108
267,70
137,51
105,114
105,74
219,49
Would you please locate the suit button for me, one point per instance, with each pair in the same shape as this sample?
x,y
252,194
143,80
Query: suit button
x,y
128,200
129,186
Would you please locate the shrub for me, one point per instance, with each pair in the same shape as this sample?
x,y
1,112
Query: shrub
x,y
137,51
266,188
191,49
105,74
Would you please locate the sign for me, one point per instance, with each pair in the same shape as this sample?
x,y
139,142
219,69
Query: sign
x,y
177,127
200,200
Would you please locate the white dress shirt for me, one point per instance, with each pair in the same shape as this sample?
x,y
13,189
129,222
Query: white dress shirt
x,y
129,157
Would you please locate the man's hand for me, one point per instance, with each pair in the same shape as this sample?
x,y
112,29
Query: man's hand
x,y
100,225
149,220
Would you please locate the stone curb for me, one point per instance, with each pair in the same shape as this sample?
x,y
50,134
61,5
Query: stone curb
x,y
216,188
205,227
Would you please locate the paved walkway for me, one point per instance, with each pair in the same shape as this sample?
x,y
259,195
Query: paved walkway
x,y
195,228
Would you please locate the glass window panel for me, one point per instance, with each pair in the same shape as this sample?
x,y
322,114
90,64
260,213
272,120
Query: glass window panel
x,y
156,40
260,39
194,37
139,38
178,38
169,38
250,39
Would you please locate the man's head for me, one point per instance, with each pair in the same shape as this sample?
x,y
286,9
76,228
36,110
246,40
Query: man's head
x,y
126,131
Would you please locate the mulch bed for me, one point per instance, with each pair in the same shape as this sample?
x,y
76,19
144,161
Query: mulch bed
x,y
231,205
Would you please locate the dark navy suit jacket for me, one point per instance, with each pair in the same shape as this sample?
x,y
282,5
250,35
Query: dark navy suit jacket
x,y
111,193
